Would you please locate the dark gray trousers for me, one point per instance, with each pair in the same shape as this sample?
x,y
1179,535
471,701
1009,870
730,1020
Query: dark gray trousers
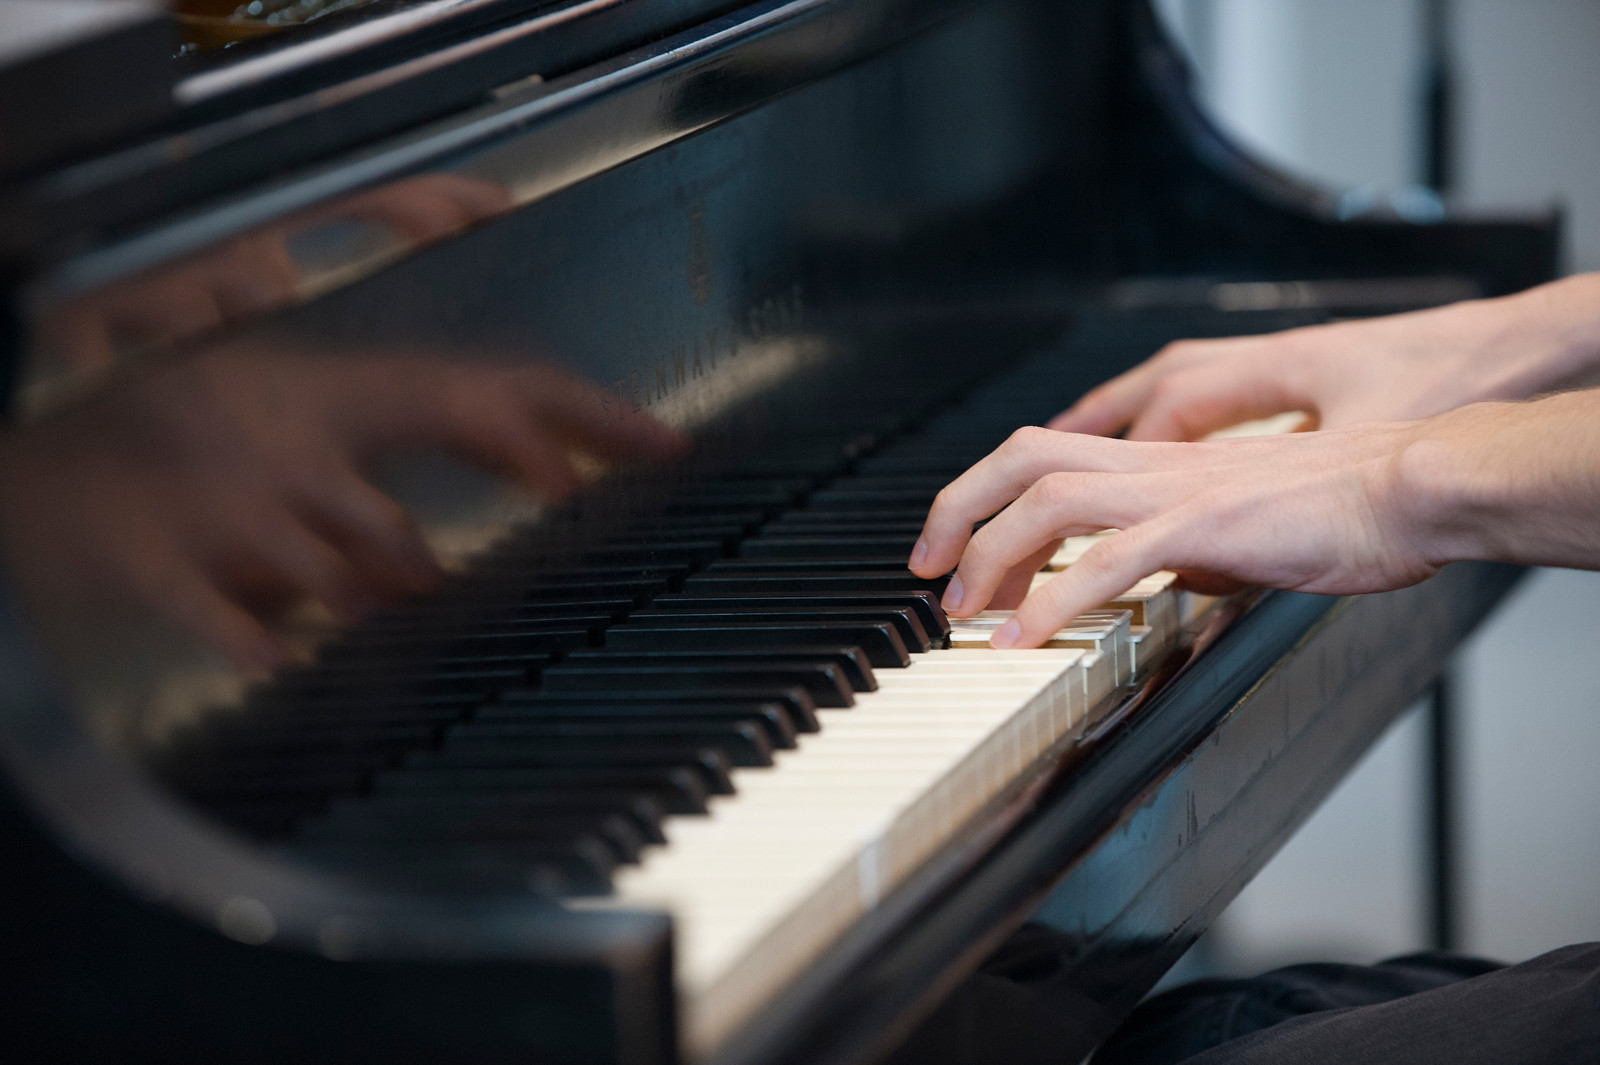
x,y
1423,1009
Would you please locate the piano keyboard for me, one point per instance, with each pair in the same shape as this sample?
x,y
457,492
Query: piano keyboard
x,y
746,711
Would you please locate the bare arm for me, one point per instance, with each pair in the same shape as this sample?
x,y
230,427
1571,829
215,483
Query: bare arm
x,y
1366,508
1398,368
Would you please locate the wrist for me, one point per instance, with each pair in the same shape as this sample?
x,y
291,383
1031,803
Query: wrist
x,y
1454,499
1505,482
1552,334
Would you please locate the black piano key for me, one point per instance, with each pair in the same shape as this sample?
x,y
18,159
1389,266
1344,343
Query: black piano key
x,y
823,681
743,742
859,565
876,481
543,585
703,596
851,661
740,743
532,573
583,865
794,703
761,582
447,816
357,705
853,499
553,613
311,743
728,523
306,784
828,547
902,516
470,681
898,530
502,644
773,717
709,762
768,501
951,462
268,737
343,713
904,619
795,700
657,555
679,790
390,669
634,590
881,641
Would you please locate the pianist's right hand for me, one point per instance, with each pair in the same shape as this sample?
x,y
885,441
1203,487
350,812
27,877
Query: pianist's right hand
x,y
1383,369
1364,508
218,490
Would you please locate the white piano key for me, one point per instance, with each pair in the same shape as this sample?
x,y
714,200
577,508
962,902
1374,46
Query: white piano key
x,y
805,847
773,874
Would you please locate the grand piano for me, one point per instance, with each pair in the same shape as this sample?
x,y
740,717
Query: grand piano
x,y
686,767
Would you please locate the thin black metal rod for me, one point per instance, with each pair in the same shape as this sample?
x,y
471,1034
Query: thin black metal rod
x,y
1438,98
1443,875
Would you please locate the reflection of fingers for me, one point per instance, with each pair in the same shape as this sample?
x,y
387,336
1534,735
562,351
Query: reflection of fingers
x,y
296,559
578,413
256,274
1057,505
429,208
501,437
200,607
378,535
180,306
1105,571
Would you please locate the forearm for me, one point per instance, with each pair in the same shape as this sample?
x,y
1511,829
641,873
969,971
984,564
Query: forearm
x,y
1546,339
1512,482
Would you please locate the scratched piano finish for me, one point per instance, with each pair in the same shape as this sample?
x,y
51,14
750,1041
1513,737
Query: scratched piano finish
x,y
795,229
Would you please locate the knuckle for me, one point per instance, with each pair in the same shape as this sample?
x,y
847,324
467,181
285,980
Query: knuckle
x,y
946,507
1054,492
1104,558
1174,351
979,553
1169,391
1029,440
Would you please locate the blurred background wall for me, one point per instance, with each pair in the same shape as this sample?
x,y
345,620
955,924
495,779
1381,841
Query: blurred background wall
x,y
1333,92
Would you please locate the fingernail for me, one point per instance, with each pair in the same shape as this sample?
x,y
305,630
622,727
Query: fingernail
x,y
919,554
1006,636
953,593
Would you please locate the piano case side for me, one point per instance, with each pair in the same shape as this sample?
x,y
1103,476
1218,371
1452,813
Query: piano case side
x,y
138,933
1193,202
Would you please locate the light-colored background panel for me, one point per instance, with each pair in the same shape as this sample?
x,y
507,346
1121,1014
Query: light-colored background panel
x,y
1331,91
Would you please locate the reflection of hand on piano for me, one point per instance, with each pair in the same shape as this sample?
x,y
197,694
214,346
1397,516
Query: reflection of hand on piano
x,y
257,271
1381,369
221,489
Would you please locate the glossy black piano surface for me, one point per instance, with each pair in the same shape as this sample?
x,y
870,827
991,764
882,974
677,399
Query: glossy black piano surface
x,y
844,247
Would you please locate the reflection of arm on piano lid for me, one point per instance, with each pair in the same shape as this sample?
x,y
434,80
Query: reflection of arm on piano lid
x,y
256,272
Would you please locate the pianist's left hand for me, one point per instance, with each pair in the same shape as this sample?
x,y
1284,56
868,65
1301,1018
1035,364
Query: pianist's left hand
x,y
220,489
1366,508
